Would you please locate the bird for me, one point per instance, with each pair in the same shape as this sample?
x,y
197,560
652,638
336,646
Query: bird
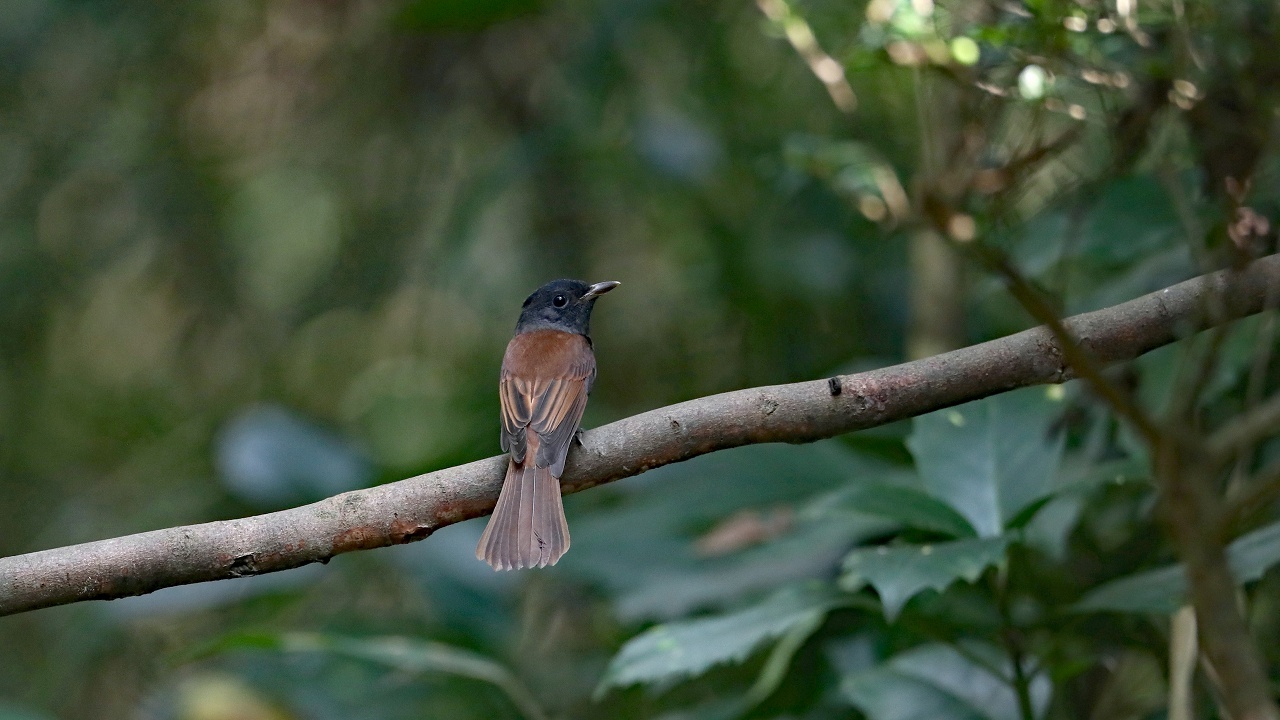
x,y
547,373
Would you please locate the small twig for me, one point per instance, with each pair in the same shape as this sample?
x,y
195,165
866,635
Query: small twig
x,y
1193,517
1201,365
1084,363
827,69
1183,652
1013,645
1191,508
1263,349
1246,430
1258,492
1026,162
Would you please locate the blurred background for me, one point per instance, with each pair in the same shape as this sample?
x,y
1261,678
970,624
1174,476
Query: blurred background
x,y
253,254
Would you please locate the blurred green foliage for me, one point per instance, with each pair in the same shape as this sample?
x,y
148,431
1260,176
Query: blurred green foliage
x,y
253,254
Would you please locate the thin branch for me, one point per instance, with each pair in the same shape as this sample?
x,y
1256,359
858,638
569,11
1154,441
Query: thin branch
x,y
1192,511
1193,376
827,69
1193,515
1264,348
412,509
1079,356
1260,491
1246,430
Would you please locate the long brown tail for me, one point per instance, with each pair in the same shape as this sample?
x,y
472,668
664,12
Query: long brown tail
x,y
528,528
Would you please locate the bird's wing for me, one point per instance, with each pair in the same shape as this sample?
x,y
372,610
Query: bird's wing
x,y
546,376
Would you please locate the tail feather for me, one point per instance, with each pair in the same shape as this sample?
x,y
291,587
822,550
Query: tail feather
x,y
528,528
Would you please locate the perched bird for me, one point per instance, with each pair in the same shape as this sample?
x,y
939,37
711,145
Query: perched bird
x,y
547,373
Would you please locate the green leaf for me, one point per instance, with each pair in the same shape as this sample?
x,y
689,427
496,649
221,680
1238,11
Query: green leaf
x,y
638,541
1029,513
943,682
1164,590
403,654
779,660
1053,522
906,505
1116,235
1164,371
991,458
900,573
674,651
811,550
1079,477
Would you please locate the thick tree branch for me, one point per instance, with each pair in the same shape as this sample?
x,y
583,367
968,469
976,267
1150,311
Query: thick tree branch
x,y
412,509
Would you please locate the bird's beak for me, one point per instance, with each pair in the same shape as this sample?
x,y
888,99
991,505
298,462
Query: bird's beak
x,y
600,288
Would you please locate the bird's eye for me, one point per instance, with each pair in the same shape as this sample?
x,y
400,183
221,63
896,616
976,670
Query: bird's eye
x,y
559,301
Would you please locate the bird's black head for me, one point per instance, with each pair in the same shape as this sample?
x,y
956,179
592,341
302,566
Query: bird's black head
x,y
562,305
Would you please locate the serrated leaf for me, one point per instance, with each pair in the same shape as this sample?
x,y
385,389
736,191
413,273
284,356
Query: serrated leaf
x,y
991,458
674,651
810,551
1164,590
900,573
779,661
938,681
906,505
1052,523
641,549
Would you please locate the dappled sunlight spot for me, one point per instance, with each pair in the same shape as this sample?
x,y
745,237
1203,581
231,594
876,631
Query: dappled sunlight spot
x,y
823,66
1184,94
880,12
872,208
904,52
962,227
965,50
215,696
1033,82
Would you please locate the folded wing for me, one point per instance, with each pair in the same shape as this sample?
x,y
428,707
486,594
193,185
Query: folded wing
x,y
546,376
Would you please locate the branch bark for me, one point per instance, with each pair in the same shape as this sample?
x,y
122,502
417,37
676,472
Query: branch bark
x,y
412,509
